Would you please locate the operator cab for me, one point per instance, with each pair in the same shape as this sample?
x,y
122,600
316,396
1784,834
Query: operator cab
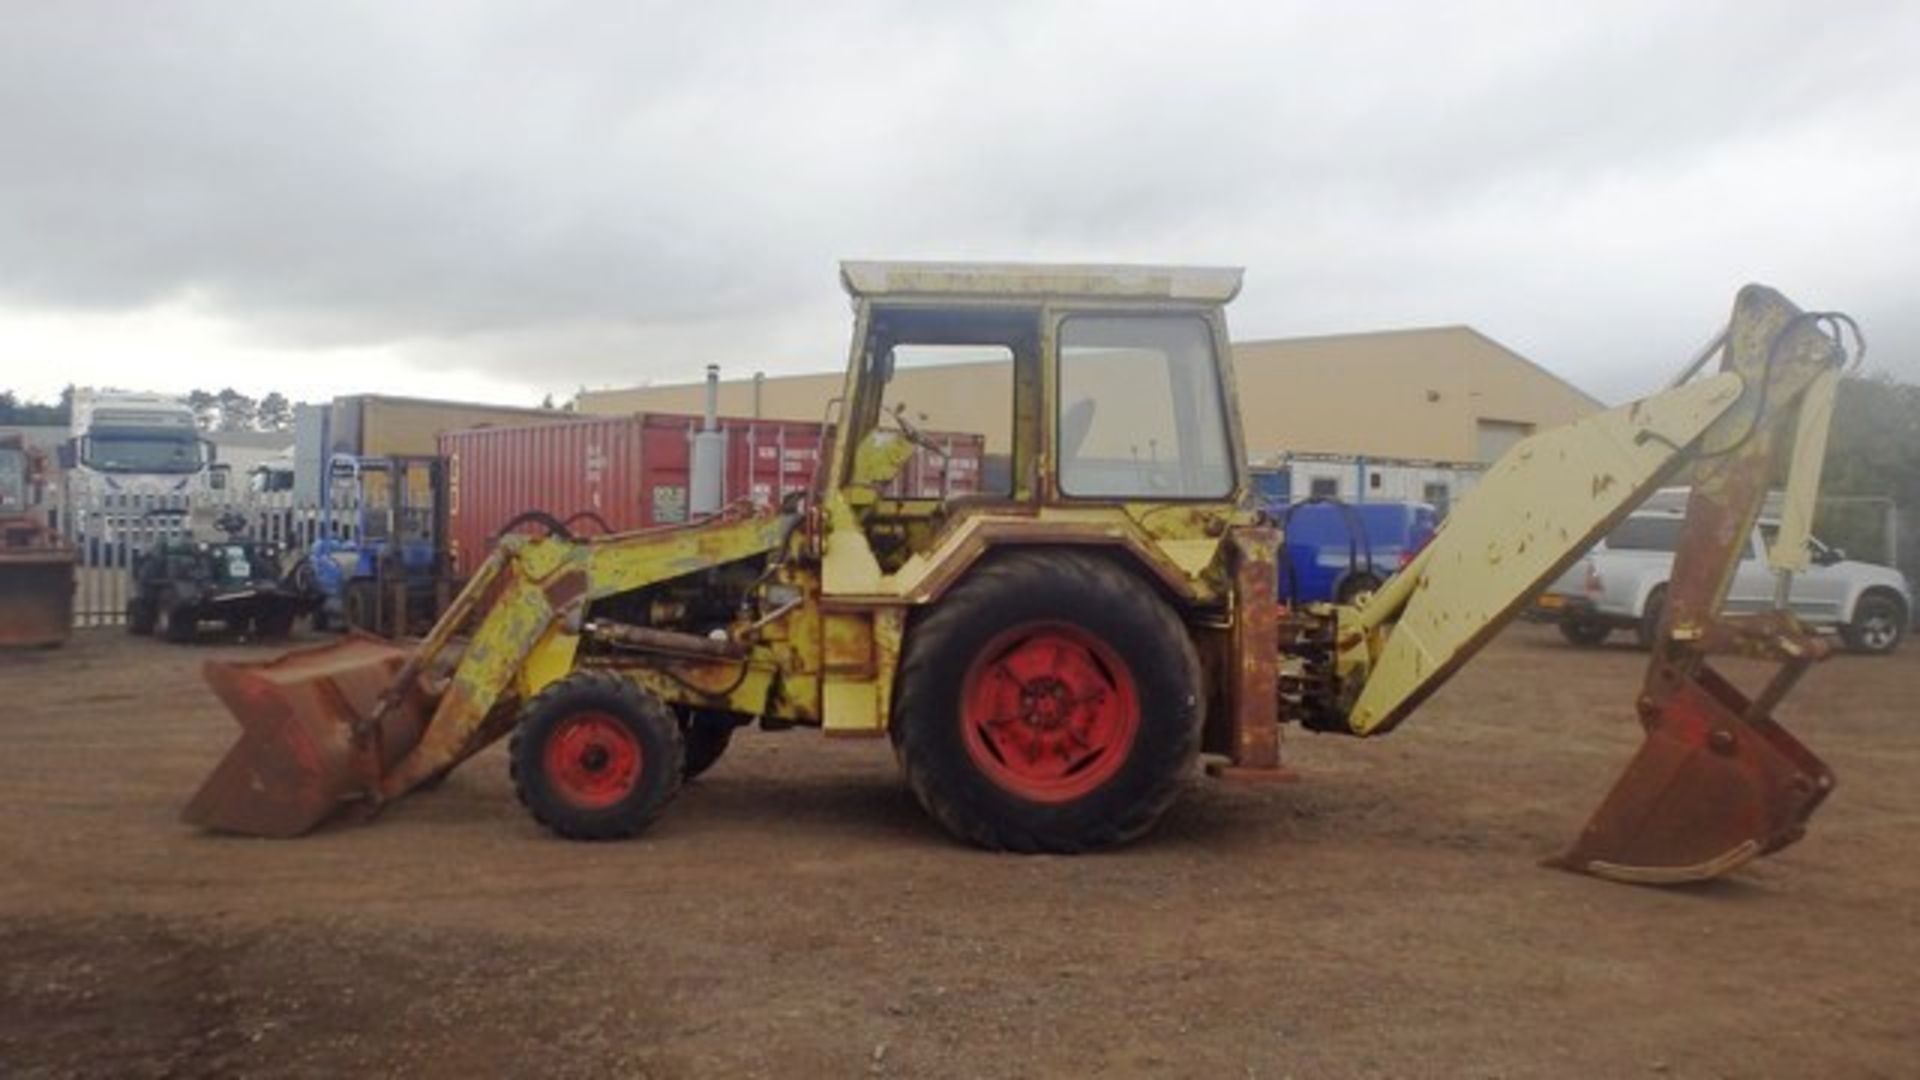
x,y
1086,386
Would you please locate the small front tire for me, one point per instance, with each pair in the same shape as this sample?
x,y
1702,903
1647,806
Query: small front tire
x,y
595,757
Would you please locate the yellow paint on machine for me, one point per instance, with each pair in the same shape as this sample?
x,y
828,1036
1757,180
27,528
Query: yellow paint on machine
x,y
1534,512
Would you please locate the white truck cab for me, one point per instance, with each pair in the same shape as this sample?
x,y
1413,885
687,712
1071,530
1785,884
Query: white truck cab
x,y
136,462
1621,585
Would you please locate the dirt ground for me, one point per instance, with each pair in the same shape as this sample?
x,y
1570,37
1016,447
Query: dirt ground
x,y
794,914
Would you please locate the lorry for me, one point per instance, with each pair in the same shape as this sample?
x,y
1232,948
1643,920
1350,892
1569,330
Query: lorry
x,y
1621,585
1051,661
136,462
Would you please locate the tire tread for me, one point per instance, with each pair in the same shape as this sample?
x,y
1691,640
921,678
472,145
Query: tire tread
x,y
930,641
644,705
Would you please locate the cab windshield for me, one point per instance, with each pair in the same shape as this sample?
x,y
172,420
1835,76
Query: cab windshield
x,y
144,451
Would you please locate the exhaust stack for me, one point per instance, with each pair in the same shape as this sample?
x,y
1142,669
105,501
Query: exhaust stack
x,y
707,487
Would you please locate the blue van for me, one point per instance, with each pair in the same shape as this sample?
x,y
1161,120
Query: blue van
x,y
1336,550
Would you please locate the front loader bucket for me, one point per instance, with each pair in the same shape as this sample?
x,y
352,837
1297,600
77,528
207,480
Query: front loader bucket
x,y
1711,788
308,741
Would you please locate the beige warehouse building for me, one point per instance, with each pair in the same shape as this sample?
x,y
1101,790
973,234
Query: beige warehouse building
x,y
1446,395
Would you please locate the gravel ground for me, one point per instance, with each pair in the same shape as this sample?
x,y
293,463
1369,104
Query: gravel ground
x,y
794,914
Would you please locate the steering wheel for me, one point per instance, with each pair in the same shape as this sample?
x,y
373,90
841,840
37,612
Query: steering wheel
x,y
914,435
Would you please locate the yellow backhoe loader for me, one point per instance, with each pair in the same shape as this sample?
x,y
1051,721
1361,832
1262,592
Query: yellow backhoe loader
x,y
1052,658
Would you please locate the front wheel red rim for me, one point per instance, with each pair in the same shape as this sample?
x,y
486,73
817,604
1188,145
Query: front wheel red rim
x,y
592,760
1049,712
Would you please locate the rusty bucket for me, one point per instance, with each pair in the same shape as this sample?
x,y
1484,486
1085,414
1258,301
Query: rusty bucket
x,y
36,596
312,736
1716,783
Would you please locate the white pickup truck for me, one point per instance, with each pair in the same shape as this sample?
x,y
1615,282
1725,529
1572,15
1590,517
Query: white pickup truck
x,y
1622,583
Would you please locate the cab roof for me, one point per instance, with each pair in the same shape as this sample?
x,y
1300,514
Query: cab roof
x,y
1040,281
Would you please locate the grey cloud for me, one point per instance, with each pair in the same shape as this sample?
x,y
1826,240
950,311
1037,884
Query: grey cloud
x,y
594,195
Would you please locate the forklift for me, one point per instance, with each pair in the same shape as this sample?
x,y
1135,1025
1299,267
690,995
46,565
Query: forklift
x,y
376,557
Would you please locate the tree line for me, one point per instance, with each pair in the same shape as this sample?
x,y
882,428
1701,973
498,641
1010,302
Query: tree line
x,y
226,410
1873,450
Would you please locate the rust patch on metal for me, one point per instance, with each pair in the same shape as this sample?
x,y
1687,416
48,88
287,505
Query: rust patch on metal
x,y
36,597
36,568
1718,782
1253,665
847,648
1003,533
671,642
309,736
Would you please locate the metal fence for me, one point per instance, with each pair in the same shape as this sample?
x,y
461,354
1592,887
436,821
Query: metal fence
x,y
110,534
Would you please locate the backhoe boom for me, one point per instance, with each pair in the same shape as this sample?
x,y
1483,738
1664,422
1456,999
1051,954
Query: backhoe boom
x,y
1717,782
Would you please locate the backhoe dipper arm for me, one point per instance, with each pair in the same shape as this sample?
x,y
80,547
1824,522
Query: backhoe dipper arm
x,y
1546,502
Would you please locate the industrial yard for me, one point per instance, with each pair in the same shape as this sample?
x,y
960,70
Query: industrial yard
x,y
1022,539
795,914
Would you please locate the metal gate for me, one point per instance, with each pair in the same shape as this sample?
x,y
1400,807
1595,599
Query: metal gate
x,y
110,534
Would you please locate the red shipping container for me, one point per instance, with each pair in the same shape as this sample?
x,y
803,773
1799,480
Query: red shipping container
x,y
631,472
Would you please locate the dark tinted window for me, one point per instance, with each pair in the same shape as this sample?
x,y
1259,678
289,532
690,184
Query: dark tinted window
x,y
1645,534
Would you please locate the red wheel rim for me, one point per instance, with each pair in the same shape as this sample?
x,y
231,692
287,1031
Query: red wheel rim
x,y
1049,712
592,760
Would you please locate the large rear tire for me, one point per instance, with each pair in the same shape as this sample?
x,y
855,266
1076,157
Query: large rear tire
x,y
595,757
1051,702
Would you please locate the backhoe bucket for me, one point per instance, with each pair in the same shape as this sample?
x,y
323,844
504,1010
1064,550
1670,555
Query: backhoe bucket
x,y
308,741
1711,788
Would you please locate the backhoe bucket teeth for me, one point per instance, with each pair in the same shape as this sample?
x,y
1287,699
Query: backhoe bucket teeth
x,y
307,741
1709,790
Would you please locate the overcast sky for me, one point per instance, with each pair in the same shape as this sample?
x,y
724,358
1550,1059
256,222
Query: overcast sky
x,y
495,201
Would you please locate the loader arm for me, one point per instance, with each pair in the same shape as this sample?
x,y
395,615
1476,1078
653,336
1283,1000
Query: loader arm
x,y
1717,782
366,720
